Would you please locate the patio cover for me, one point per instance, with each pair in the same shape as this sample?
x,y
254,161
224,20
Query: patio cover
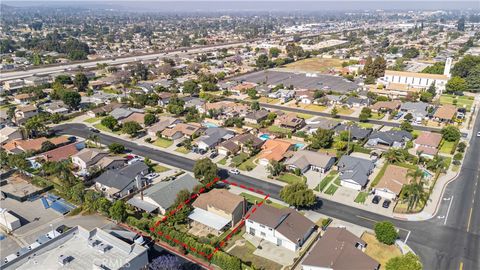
x,y
210,219
148,207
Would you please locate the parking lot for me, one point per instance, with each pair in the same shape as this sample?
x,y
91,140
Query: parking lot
x,y
300,80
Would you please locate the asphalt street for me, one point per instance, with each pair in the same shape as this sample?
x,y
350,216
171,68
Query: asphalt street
x,y
454,245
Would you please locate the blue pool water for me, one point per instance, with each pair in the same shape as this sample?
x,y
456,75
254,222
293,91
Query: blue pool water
x,y
427,174
209,125
299,145
264,137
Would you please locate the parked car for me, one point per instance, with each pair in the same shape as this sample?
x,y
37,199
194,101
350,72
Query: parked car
x,y
386,204
94,130
376,199
179,144
478,134
234,171
213,155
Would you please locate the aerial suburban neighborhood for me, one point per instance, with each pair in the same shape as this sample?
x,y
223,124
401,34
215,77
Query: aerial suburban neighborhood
x,y
240,135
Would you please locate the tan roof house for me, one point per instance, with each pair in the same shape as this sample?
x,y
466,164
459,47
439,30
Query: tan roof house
x,y
182,130
445,113
427,144
391,184
386,106
273,150
217,210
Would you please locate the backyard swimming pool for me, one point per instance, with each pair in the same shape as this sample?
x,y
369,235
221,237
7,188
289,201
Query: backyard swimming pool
x,y
209,125
264,137
299,145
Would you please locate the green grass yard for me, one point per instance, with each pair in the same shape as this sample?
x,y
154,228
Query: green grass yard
x,y
248,164
365,125
325,181
291,178
164,143
361,197
344,110
182,150
101,127
93,119
254,200
239,159
159,168
462,101
245,253
223,161
447,147
331,190
376,116
277,129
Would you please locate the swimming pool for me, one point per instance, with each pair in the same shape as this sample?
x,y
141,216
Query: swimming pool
x,y
427,174
209,125
264,137
299,145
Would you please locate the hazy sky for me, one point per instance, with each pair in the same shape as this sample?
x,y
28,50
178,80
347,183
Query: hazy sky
x,y
264,5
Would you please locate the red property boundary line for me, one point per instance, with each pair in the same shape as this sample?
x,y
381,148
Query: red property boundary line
x,y
189,200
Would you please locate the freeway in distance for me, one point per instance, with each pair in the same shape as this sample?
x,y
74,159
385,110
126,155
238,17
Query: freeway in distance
x,y
440,247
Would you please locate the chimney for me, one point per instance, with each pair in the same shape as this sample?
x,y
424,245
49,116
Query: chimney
x,y
141,195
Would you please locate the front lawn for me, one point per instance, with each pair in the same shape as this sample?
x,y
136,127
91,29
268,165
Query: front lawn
x,y
277,129
245,253
377,116
164,143
304,115
365,125
379,175
223,161
316,108
93,120
268,100
447,147
361,197
239,159
254,200
380,252
331,189
462,101
101,127
325,181
182,150
159,168
344,110
248,164
291,178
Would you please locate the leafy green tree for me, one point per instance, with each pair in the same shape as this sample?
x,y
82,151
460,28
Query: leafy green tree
x,y
176,106
77,193
190,87
64,79
149,119
72,99
451,133
334,112
80,81
274,52
432,90
275,168
255,106
298,195
456,84
35,126
408,261
118,211
405,125
463,67
205,170
322,138
116,148
131,128
262,61
408,117
47,146
252,93
110,122
103,205
385,232
436,68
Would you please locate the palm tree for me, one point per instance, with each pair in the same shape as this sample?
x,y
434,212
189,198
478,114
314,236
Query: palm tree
x,y
93,138
394,155
415,175
413,194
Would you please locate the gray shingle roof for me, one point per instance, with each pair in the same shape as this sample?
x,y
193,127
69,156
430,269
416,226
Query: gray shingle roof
x,y
391,136
165,193
122,177
356,169
214,135
356,132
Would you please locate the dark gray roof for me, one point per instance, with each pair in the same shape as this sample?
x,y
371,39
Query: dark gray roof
x,y
356,169
256,115
356,100
391,136
214,135
122,177
165,193
356,132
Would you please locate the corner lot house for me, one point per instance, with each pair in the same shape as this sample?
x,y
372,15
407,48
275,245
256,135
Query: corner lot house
x,y
427,144
445,113
256,117
391,138
181,130
385,106
339,249
392,182
354,171
273,150
161,196
214,136
283,227
217,210
308,160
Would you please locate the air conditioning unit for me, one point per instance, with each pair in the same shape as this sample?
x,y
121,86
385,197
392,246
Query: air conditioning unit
x,y
64,259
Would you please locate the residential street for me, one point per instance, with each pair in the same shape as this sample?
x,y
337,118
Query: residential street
x,y
455,245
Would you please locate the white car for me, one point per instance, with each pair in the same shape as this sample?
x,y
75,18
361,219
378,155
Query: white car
x,y
478,134
234,171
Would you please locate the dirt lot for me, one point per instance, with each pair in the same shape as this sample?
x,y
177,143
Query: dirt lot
x,y
315,65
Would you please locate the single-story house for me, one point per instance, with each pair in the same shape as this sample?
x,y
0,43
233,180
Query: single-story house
x,y
106,109
161,196
320,123
357,102
61,153
290,120
273,150
56,107
354,171
419,110
356,133
217,210
163,123
282,227
89,158
34,145
386,106
182,130
445,113
212,137
391,184
134,117
9,133
309,160
244,142
339,249
256,117
391,138
117,183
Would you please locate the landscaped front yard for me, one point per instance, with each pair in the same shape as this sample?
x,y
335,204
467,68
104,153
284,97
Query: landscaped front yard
x,y
268,100
291,178
277,129
182,150
245,253
315,107
377,116
248,164
93,120
101,127
159,168
462,101
164,143
361,197
324,183
380,252
254,200
344,110
447,147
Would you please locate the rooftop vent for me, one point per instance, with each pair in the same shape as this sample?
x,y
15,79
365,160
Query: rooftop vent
x,y
64,259
103,248
93,243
